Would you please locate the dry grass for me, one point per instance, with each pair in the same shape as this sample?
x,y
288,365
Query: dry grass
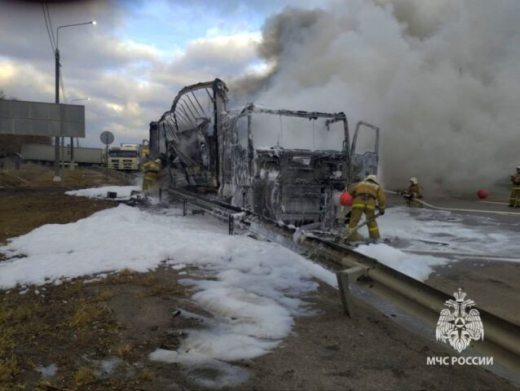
x,y
19,321
31,198
34,175
24,210
84,376
48,386
125,273
124,350
74,288
165,290
7,341
85,314
105,295
148,280
16,321
65,323
147,375
9,369
27,174
126,276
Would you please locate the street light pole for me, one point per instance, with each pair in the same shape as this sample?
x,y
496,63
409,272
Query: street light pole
x,y
57,168
57,171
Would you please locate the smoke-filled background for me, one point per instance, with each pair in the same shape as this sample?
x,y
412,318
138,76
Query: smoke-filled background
x,y
440,77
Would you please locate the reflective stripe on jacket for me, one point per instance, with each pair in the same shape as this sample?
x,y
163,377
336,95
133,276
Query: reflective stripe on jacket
x,y
366,193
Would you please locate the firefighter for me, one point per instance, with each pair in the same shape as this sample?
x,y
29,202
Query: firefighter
x,y
151,175
514,200
413,193
368,196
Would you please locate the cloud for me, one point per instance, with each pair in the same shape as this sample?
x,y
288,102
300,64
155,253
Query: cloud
x,y
208,58
130,83
227,7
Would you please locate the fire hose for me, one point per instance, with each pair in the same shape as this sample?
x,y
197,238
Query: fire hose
x,y
456,209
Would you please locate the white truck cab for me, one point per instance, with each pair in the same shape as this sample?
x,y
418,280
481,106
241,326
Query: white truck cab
x,y
126,157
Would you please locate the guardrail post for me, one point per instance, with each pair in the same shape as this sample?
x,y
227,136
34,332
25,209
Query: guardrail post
x,y
345,278
184,207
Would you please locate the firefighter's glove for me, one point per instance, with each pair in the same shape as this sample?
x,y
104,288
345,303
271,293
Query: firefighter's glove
x,y
381,211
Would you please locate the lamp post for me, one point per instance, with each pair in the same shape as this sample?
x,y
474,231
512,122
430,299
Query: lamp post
x,y
57,169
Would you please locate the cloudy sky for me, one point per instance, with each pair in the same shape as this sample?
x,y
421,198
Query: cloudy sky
x,y
439,77
133,62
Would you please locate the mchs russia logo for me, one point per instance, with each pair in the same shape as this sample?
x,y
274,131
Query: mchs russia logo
x,y
458,326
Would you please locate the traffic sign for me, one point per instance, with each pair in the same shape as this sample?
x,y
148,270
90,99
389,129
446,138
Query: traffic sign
x,y
107,137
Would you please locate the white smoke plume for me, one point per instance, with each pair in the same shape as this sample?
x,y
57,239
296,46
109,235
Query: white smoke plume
x,y
440,77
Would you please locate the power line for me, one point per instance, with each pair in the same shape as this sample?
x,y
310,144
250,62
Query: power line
x,y
50,25
47,25
50,32
48,28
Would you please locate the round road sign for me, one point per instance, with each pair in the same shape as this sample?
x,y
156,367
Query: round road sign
x,y
107,137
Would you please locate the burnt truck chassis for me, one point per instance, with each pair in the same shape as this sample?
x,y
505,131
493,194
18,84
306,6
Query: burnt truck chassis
x,y
218,180
202,152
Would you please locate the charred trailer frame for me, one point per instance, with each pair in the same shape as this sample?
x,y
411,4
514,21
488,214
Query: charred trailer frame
x,y
294,186
190,136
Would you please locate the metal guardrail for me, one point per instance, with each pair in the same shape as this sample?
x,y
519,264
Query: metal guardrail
x,y
502,338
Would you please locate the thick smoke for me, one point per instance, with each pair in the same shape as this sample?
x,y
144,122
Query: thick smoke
x,y
440,77
289,26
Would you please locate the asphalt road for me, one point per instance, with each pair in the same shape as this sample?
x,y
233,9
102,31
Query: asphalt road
x,y
491,274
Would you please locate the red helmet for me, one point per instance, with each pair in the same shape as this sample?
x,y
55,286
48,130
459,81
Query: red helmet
x,y
345,199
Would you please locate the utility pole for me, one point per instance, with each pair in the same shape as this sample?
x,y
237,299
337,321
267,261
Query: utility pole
x,y
57,171
57,168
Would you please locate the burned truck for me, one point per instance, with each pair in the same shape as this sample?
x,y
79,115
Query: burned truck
x,y
255,158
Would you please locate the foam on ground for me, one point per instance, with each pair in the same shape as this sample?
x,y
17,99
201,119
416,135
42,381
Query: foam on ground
x,y
253,292
415,266
123,192
469,234
253,289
